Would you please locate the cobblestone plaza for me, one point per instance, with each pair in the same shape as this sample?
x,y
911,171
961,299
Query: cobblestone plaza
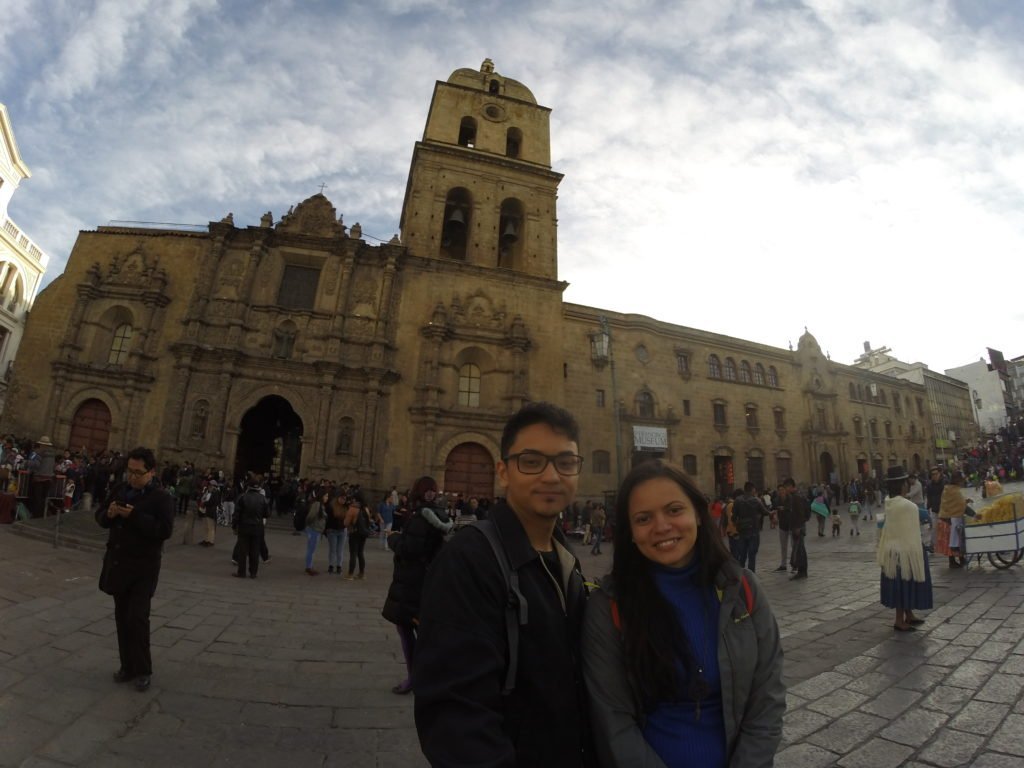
x,y
292,670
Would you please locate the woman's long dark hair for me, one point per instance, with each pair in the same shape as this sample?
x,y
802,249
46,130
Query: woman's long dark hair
x,y
419,491
653,639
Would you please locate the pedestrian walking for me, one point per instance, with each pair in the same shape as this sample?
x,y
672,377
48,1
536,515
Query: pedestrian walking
x,y
598,520
251,509
853,510
316,522
797,514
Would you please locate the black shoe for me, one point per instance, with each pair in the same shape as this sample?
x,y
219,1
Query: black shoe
x,y
252,575
916,622
904,629
781,568
798,576
123,677
238,575
142,683
330,569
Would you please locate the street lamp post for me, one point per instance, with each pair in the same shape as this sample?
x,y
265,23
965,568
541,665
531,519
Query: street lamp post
x,y
601,352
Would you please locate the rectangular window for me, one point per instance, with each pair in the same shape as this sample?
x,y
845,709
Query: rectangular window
x,y
682,362
690,464
751,414
780,418
600,398
298,287
686,407
718,410
920,407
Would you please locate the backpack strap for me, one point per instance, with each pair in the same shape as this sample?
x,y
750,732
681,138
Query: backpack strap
x,y
748,594
516,613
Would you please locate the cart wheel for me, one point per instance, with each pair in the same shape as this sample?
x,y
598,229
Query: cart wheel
x,y
1004,560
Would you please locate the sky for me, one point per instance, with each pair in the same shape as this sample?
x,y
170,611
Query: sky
x,y
745,167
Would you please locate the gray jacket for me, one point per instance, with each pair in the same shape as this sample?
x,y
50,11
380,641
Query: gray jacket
x,y
750,659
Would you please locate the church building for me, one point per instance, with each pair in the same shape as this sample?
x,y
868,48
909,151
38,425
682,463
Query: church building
x,y
295,345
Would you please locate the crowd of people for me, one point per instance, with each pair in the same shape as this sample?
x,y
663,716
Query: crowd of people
x,y
673,658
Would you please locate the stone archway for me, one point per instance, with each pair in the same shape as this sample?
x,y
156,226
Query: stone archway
x,y
826,466
270,439
469,470
90,427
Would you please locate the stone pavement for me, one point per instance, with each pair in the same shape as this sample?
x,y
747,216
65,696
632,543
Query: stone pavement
x,y
293,670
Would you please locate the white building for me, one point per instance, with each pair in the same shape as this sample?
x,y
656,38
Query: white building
x,y
949,399
990,394
22,262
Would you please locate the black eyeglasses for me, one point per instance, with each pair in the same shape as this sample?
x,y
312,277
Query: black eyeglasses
x,y
533,463
138,472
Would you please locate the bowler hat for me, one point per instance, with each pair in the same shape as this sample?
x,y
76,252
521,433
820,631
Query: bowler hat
x,y
896,473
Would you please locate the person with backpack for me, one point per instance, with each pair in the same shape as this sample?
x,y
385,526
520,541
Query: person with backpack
x,y
357,522
681,651
497,671
747,511
415,548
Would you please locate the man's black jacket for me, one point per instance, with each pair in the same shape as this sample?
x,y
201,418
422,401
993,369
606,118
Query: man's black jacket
x,y
135,543
461,657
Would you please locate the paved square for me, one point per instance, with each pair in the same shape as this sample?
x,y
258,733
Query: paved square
x,y
296,670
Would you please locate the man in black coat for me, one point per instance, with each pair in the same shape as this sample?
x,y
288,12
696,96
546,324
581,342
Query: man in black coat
x,y
795,514
140,516
462,654
250,510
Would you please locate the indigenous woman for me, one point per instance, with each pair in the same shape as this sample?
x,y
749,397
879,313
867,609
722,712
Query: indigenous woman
x,y
948,538
906,583
681,652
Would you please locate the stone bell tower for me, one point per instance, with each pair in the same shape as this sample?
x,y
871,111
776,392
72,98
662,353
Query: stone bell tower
x,y
481,189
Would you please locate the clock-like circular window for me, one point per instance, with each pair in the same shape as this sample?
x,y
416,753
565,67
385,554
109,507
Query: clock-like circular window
x,y
494,112
642,354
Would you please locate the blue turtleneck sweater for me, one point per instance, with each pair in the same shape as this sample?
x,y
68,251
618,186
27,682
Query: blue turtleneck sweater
x,y
685,733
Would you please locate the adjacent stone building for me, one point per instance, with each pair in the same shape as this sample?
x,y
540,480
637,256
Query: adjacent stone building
x,y
22,262
296,345
949,400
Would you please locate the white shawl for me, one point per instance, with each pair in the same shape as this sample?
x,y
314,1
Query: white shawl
x,y
899,544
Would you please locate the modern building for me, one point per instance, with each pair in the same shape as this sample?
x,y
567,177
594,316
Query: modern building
x,y
22,262
991,391
948,400
295,345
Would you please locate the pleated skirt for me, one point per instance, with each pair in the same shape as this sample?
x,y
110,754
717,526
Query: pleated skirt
x,y
907,594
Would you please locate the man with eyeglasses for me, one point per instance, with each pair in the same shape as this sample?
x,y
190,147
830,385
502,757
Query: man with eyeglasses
x,y
140,516
465,713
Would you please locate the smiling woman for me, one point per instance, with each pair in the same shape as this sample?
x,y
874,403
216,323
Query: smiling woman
x,y
664,690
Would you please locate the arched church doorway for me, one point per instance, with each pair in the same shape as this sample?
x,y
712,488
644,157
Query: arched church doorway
x,y
469,470
827,467
270,439
90,428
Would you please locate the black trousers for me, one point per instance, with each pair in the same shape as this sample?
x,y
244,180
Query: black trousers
x,y
356,546
247,548
799,557
237,551
131,614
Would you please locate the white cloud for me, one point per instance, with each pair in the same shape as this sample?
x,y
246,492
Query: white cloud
x,y
743,167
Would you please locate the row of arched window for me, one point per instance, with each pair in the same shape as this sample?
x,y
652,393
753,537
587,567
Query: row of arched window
x,y
744,373
858,428
875,394
601,464
513,137
458,221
